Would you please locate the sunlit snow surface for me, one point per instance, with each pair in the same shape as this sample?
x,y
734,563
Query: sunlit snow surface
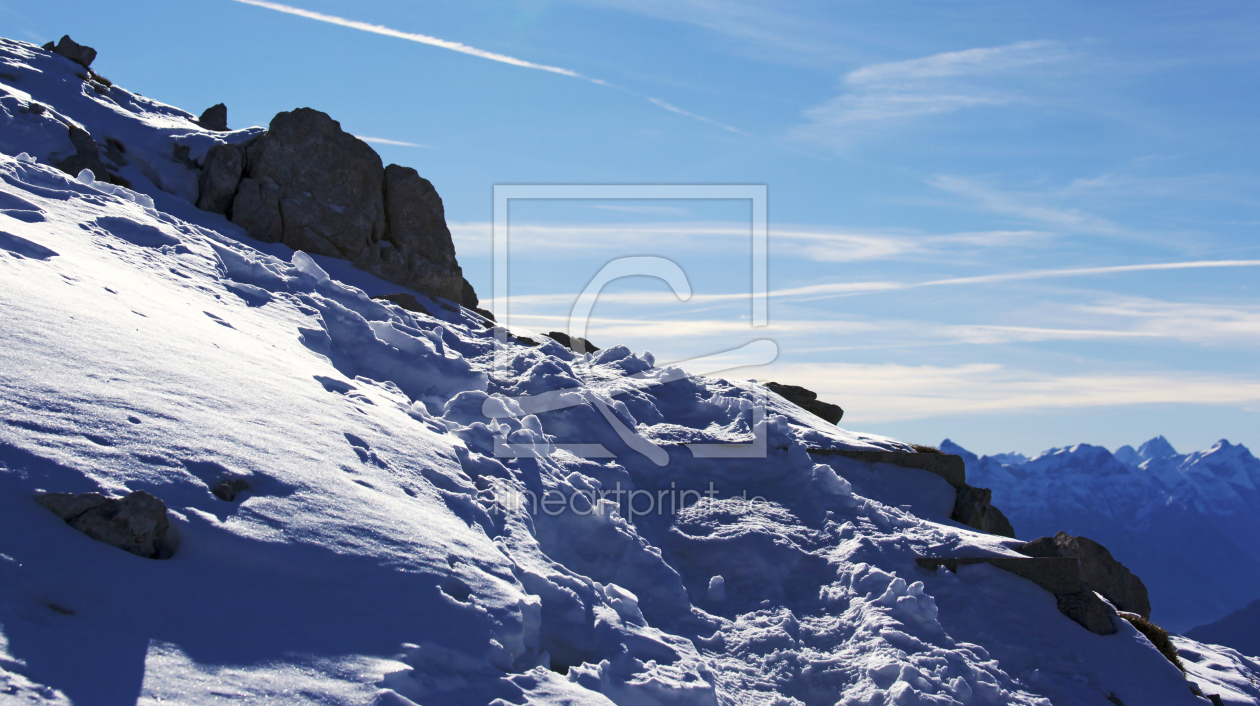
x,y
159,349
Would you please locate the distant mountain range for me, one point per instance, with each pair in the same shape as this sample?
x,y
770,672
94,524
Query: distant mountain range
x,y
1187,524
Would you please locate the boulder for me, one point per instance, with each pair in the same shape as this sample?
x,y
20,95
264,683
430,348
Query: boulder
x,y
79,54
307,183
220,178
136,523
576,344
808,401
1101,571
417,247
974,507
215,118
312,186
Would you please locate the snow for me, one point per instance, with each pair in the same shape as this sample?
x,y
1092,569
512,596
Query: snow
x,y
377,556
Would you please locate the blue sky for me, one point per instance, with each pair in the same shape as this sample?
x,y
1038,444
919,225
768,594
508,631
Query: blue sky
x,y
972,204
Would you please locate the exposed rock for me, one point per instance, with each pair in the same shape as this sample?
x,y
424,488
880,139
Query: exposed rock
x,y
468,297
808,401
576,344
947,466
136,523
313,187
87,155
79,54
974,507
215,118
219,178
229,487
1101,571
1060,576
406,301
416,247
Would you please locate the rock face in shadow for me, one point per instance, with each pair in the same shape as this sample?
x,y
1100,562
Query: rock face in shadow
x,y
1060,576
1101,571
314,187
974,507
72,50
219,178
136,523
808,401
215,118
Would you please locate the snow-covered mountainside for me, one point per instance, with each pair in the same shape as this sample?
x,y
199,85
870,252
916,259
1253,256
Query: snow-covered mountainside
x,y
375,549
1187,524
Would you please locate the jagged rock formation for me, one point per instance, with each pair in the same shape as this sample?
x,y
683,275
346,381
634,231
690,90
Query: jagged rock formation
x,y
974,507
1100,570
67,47
808,401
307,183
136,523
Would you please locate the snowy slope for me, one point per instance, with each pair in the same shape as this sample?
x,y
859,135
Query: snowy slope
x,y
1187,524
145,345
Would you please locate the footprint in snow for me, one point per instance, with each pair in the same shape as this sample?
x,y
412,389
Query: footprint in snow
x,y
364,452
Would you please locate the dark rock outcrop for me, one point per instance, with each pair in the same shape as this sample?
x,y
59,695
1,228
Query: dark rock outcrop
x,y
1060,576
312,186
87,155
974,507
307,183
576,344
215,118
228,488
406,301
808,401
1101,571
72,50
136,523
219,178
947,466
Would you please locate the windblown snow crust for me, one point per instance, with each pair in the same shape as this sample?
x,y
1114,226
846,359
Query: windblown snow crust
x,y
145,345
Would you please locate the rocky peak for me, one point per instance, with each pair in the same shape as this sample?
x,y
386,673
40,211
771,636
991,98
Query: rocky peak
x,y
1156,448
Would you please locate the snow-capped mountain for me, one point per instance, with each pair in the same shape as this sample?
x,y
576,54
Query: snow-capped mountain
x,y
1187,524
353,488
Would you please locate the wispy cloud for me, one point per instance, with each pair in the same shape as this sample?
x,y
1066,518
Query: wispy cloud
x,y
471,51
384,141
805,242
882,94
1025,207
890,392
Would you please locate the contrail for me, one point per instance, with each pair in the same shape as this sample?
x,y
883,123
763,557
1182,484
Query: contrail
x,y
471,51
675,109
386,141
421,38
